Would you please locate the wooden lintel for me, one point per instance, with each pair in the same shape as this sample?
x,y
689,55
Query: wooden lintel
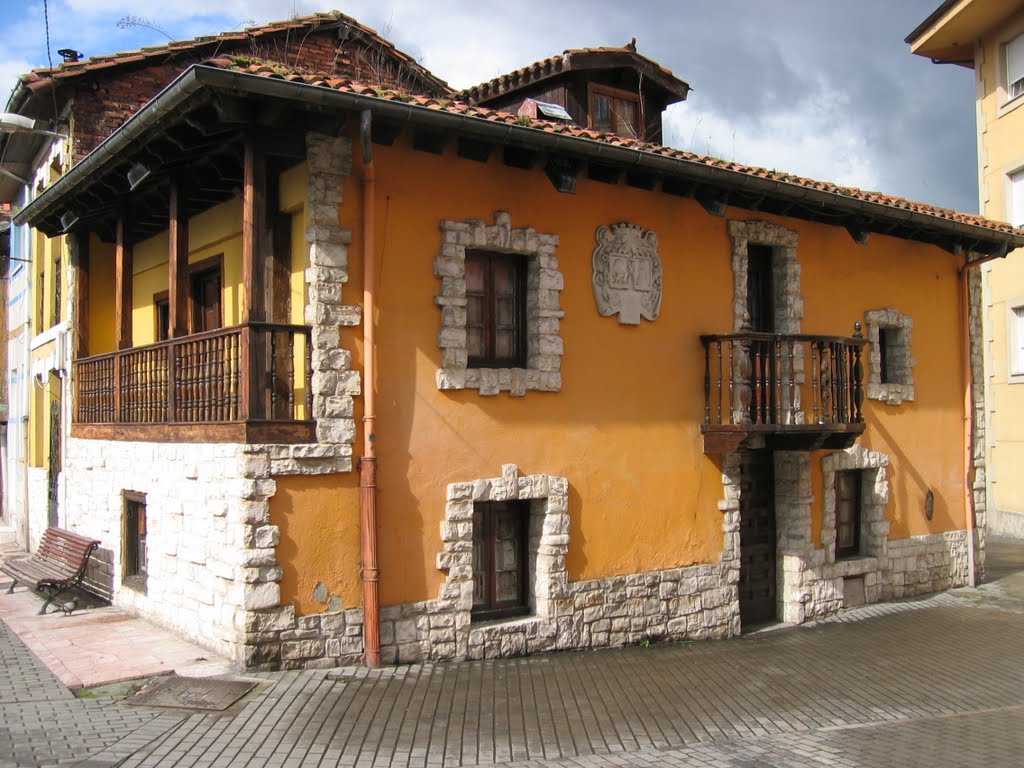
x,y
177,261
123,272
277,432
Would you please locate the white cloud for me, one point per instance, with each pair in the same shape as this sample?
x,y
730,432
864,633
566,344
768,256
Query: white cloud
x,y
808,139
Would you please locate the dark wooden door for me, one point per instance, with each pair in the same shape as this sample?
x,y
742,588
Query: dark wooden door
x,y
761,309
757,538
760,293
206,290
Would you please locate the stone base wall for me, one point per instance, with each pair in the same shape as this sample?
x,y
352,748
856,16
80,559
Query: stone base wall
x,y
195,531
923,564
38,505
1002,522
680,603
211,555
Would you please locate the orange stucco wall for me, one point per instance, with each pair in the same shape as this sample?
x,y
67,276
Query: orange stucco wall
x,y
625,428
101,296
322,528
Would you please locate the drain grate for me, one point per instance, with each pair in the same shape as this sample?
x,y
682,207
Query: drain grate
x,y
206,693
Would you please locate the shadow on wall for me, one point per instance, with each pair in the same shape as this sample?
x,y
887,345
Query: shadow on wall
x,y
900,490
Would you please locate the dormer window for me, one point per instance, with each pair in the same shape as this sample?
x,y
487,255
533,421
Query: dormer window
x,y
615,111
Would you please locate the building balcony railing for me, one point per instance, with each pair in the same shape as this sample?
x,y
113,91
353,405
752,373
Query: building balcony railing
x,y
245,383
784,391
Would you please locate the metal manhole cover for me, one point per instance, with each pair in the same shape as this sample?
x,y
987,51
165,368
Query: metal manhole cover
x,y
207,693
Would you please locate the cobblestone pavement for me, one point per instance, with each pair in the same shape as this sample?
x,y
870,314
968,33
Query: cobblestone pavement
x,y
930,682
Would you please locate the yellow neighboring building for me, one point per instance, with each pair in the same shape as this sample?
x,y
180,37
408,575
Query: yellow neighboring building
x,y
988,36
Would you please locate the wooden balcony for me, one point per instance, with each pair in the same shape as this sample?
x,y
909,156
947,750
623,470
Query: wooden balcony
x,y
247,383
787,392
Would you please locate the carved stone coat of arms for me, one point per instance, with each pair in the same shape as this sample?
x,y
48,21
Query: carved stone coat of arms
x,y
627,273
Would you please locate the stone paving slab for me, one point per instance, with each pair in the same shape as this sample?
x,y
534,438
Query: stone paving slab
x,y
784,693
931,682
98,645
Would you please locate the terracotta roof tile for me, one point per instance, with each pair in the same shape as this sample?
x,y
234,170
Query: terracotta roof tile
x,y
40,77
492,115
549,67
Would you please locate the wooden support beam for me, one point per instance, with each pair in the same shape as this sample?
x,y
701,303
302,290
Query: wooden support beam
x,y
474,149
177,262
254,230
429,140
80,259
713,202
254,255
858,231
123,271
562,172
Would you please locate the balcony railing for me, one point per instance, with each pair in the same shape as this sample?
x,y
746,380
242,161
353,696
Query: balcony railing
x,y
789,391
260,372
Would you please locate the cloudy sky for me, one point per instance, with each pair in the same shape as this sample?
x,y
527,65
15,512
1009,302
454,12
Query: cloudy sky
x,y
821,88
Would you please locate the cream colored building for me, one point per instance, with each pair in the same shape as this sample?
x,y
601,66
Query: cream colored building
x,y
988,36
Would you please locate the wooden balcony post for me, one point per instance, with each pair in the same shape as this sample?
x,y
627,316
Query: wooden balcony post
x,y
177,263
254,235
123,271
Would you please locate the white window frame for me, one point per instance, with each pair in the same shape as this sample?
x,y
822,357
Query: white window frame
x,y
1010,41
1015,197
1013,66
1015,340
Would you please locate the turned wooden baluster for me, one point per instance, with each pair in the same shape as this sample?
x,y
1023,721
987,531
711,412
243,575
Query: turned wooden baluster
x,y
309,374
718,394
759,379
858,377
777,383
742,373
844,384
273,375
791,381
825,383
291,375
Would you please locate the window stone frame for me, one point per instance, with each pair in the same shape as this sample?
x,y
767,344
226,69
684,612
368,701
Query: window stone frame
x,y
875,494
900,358
547,549
544,284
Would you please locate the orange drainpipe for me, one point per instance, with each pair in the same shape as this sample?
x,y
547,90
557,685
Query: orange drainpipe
x,y
368,462
968,387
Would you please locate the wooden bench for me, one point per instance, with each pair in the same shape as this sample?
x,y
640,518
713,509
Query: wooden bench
x,y
57,566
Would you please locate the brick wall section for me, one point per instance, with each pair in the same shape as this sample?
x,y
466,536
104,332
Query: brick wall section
x,y
102,103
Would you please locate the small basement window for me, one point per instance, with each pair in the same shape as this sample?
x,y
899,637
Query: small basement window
x,y
500,530
848,512
133,562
